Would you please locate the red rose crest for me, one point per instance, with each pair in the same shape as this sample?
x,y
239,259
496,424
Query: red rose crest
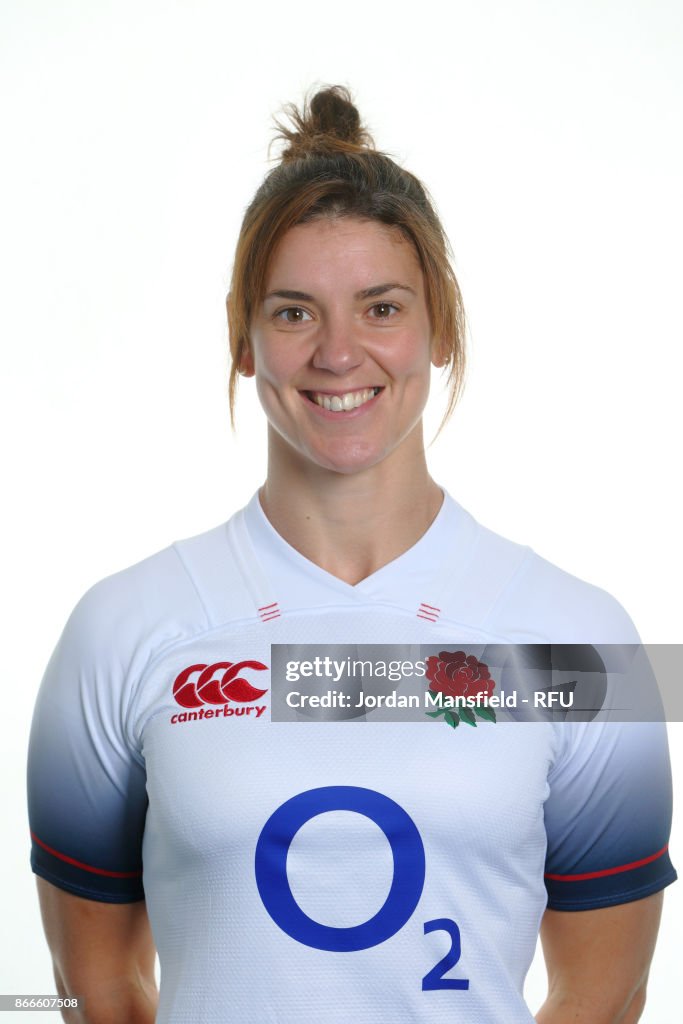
x,y
460,678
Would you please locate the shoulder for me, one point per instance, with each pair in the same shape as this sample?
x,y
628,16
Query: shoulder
x,y
163,599
540,601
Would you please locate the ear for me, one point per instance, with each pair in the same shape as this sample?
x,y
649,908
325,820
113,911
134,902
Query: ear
x,y
439,353
246,367
246,363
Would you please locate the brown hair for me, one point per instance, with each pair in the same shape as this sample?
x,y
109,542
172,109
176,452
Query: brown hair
x,y
330,168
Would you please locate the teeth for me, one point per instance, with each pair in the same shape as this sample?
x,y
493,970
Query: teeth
x,y
343,403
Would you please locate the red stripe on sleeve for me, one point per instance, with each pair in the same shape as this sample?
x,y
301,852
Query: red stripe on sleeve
x,y
85,867
608,871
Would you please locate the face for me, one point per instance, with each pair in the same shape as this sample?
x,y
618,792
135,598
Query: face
x,y
341,345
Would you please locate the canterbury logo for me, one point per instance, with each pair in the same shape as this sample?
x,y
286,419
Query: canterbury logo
x,y
216,684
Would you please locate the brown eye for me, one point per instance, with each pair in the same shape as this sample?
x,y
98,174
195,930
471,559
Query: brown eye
x,y
293,315
383,310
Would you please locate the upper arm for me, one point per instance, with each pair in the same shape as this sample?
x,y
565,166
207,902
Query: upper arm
x,y
87,807
101,951
598,960
608,819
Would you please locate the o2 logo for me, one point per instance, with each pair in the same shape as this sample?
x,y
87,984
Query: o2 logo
x,y
406,885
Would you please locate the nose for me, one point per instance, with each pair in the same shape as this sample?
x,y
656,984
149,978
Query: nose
x,y
338,347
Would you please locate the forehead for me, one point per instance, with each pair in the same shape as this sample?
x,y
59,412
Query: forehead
x,y
342,251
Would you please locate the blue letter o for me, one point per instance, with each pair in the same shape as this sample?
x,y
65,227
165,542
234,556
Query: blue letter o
x,y
271,867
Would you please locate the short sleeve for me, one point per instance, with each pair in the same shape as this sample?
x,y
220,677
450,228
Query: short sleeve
x,y
86,782
608,815
609,803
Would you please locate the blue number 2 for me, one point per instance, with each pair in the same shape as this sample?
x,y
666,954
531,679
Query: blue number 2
x,y
435,979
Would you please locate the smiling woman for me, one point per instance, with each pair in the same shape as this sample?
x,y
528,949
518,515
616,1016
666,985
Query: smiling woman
x,y
330,170
346,378
254,854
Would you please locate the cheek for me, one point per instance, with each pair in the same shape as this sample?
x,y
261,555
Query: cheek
x,y
274,370
407,356
273,361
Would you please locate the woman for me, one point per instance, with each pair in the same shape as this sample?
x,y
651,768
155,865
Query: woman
x,y
327,870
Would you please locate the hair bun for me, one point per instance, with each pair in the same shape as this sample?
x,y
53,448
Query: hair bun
x,y
328,123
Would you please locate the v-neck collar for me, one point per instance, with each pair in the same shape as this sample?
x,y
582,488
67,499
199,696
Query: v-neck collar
x,y
405,581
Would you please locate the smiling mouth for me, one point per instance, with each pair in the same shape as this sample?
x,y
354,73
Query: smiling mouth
x,y
344,402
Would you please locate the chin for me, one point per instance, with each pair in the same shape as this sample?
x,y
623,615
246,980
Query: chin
x,y
347,459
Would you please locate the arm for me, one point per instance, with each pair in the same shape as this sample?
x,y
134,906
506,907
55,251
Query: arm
x,y
598,962
104,954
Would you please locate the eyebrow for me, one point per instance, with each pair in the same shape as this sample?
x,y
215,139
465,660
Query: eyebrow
x,y
366,293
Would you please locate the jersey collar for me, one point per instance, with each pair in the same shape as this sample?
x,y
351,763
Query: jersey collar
x,y
415,578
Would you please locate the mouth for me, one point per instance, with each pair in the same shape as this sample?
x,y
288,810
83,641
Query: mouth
x,y
343,402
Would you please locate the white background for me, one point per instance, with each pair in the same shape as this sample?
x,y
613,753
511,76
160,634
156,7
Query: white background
x,y
133,136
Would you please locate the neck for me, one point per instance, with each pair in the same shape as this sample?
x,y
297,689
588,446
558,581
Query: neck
x,y
350,524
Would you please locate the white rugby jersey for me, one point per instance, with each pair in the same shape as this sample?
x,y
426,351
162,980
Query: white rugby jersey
x,y
324,871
